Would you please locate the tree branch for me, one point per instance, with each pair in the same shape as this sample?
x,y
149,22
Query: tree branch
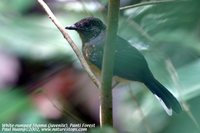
x,y
70,41
108,62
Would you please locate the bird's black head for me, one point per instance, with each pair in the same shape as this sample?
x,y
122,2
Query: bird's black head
x,y
88,28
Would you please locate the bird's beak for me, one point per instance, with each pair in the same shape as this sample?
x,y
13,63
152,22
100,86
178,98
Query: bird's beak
x,y
72,27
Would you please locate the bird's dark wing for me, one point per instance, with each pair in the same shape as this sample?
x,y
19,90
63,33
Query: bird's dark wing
x,y
129,62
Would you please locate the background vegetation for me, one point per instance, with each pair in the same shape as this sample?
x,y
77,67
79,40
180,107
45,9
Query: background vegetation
x,y
41,80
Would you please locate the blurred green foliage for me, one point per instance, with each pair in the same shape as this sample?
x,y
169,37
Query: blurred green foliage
x,y
12,102
105,129
167,32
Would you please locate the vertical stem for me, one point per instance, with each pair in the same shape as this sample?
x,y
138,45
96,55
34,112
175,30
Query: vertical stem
x,y
107,66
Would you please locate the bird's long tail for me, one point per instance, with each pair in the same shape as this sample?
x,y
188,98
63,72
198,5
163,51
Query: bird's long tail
x,y
168,101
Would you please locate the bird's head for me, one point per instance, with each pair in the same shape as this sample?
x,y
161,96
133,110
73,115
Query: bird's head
x,y
88,28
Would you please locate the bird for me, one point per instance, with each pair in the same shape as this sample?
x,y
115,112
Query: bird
x,y
129,63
